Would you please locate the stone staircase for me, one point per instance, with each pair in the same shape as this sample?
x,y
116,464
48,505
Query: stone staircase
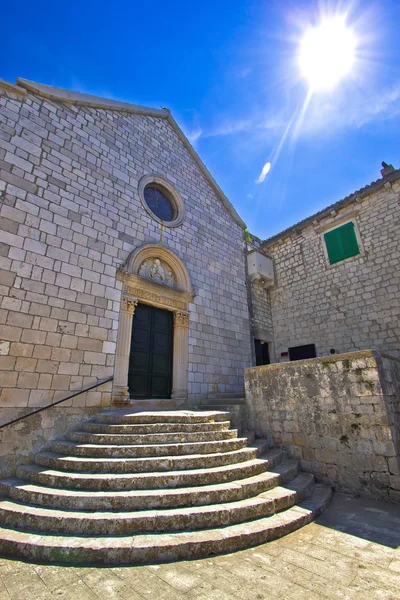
x,y
145,487
235,404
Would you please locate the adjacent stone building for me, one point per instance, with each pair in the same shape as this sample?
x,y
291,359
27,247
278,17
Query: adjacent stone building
x,y
348,300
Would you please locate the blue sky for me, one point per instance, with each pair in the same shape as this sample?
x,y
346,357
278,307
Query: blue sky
x,y
228,71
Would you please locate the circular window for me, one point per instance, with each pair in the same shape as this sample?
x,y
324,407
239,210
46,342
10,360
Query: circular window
x,y
161,200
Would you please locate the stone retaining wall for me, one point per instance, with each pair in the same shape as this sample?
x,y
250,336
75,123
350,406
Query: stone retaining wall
x,y
339,415
20,441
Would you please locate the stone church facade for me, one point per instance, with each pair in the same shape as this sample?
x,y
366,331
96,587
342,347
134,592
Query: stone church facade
x,y
81,249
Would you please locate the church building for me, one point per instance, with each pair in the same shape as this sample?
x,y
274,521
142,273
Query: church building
x,y
136,316
120,255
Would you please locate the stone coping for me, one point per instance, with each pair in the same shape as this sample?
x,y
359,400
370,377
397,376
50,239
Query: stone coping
x,y
359,354
357,196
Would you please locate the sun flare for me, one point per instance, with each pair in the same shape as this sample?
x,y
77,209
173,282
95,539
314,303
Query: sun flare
x,y
327,53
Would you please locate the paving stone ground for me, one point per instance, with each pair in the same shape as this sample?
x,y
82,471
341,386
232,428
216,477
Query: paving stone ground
x,y
352,552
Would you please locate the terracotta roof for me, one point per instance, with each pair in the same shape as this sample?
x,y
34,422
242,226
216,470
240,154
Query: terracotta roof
x,y
77,98
361,193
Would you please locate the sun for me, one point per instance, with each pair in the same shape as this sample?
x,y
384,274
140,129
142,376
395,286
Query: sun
x,y
327,53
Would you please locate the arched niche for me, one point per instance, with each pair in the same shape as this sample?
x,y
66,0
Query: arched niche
x,y
162,253
153,275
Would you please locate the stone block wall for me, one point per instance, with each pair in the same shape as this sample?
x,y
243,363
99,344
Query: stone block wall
x,y
260,304
339,415
389,369
20,441
70,216
348,306
262,318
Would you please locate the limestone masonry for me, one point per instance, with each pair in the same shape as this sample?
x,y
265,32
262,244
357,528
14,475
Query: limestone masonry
x,y
353,304
339,415
70,216
120,257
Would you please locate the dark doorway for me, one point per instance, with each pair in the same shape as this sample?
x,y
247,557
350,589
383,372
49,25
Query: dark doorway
x,y
150,363
262,353
302,352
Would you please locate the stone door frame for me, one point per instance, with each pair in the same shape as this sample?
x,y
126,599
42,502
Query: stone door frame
x,y
137,289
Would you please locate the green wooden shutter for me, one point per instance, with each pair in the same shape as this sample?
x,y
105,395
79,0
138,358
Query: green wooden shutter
x,y
341,243
333,246
349,240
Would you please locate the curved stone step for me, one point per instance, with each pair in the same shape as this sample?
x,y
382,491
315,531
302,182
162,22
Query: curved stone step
x,y
26,493
143,450
155,427
154,404
160,547
33,518
150,465
178,416
141,481
151,438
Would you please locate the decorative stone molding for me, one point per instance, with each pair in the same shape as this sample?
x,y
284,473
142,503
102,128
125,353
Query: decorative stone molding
x,y
129,304
140,286
181,355
181,319
154,291
120,387
157,295
172,193
161,252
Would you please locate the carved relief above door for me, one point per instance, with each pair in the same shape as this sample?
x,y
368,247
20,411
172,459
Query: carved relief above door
x,y
157,270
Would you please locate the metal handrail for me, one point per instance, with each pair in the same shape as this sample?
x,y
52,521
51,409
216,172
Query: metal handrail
x,y
34,412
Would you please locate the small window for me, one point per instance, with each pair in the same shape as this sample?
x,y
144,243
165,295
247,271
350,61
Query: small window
x,y
341,243
262,353
302,352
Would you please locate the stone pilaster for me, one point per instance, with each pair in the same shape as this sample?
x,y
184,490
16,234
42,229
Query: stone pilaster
x,y
181,355
120,388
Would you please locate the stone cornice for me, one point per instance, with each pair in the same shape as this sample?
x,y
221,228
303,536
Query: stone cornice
x,y
62,95
153,292
333,209
14,89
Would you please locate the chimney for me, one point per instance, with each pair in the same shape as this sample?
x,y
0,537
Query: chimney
x,y
387,169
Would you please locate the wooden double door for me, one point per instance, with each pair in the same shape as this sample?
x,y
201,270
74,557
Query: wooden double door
x,y
150,363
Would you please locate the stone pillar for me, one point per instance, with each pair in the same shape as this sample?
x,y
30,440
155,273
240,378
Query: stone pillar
x,y
120,388
181,355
